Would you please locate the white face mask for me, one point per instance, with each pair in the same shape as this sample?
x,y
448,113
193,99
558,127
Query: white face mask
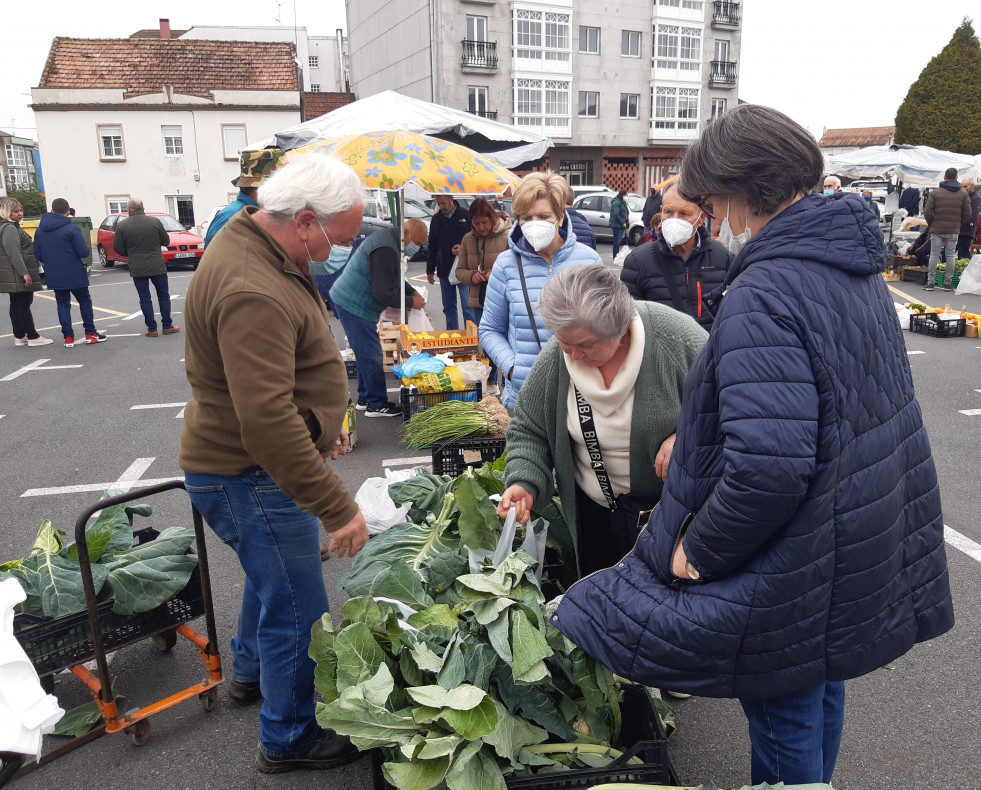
x,y
676,231
539,233
732,242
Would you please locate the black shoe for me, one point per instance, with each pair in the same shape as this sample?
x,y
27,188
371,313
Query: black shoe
x,y
362,405
244,693
330,751
948,288
388,410
927,287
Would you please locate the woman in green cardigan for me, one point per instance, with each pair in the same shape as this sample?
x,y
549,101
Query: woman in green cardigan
x,y
603,397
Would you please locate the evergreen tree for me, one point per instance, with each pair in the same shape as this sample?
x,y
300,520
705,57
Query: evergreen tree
x,y
30,199
942,107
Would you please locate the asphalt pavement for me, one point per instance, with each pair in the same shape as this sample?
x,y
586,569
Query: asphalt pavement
x,y
108,416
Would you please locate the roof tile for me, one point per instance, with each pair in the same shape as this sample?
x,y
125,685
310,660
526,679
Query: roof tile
x,y
862,136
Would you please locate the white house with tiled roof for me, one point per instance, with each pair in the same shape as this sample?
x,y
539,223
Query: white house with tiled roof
x,y
161,119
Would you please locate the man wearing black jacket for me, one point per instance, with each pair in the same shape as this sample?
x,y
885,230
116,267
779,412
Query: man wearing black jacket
x,y
446,230
652,206
682,266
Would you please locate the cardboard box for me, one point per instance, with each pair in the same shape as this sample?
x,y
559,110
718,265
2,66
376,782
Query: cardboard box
x,y
971,330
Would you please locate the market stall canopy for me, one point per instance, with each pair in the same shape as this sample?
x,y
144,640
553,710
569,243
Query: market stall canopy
x,y
390,111
916,165
392,159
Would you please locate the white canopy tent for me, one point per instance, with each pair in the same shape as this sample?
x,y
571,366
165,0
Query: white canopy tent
x,y
913,165
391,111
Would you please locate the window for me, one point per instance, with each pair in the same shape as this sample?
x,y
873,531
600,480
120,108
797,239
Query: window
x,y
630,44
718,107
181,208
629,105
116,204
589,104
542,103
315,87
232,139
173,139
477,99
675,108
111,142
722,51
541,35
16,156
313,61
476,28
678,48
589,40
691,5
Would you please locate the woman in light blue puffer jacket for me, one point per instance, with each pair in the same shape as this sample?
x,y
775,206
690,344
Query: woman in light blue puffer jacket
x,y
541,243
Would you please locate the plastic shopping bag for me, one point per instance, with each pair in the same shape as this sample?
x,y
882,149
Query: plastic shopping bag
x,y
447,380
536,535
452,279
970,282
417,364
377,507
419,321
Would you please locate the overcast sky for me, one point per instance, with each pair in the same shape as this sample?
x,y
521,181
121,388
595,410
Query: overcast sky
x,y
836,63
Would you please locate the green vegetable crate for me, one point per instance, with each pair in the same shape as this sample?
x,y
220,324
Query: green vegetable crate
x,y
413,401
642,736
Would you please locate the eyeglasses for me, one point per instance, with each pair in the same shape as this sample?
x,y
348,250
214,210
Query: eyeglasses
x,y
705,210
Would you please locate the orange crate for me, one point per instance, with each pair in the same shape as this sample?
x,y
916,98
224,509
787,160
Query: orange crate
x,y
467,338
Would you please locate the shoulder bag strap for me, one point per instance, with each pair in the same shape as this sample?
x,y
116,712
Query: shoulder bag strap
x,y
671,282
588,428
524,290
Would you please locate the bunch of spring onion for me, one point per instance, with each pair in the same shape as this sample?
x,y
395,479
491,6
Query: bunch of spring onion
x,y
453,419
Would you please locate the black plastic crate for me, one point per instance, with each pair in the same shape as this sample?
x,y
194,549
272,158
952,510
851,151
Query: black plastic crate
x,y
352,368
915,274
451,458
934,326
53,645
413,401
642,736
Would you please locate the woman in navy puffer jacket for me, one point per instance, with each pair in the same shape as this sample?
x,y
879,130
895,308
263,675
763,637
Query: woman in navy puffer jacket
x,y
799,538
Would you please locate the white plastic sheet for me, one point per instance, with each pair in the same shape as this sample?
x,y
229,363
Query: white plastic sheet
x,y
970,282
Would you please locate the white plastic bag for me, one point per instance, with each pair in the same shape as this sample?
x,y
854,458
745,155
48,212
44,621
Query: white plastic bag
x,y
621,256
419,321
970,282
534,544
474,371
377,507
451,278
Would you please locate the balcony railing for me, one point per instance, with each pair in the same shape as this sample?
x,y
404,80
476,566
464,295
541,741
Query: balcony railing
x,y
489,114
723,72
726,13
482,54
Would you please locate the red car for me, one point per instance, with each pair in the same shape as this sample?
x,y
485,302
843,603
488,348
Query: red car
x,y
184,247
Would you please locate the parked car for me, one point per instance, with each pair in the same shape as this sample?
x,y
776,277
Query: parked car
x,y
207,222
596,209
589,189
184,248
376,217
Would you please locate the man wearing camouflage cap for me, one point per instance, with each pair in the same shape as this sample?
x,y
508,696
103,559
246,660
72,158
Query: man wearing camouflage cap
x,y
255,167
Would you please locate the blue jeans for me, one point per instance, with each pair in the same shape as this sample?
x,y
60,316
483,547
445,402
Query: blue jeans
x,y
448,293
64,300
363,337
947,242
146,303
492,378
795,736
278,545
617,238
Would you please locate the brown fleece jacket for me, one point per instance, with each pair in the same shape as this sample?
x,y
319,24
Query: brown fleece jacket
x,y
479,254
268,384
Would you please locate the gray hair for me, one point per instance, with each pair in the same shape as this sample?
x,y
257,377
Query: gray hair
x,y
314,182
753,152
590,296
8,206
134,204
835,179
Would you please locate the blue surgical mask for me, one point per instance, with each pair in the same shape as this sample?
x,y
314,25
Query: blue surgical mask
x,y
867,199
829,192
338,257
411,249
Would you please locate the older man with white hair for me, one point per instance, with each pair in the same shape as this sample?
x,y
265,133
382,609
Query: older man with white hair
x,y
269,392
832,185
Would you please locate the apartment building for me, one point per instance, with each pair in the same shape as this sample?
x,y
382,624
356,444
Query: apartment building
x,y
619,87
18,162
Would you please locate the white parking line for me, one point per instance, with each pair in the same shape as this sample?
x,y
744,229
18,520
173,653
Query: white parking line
x,y
131,478
129,334
131,316
36,365
159,406
419,460
910,353
962,543
971,412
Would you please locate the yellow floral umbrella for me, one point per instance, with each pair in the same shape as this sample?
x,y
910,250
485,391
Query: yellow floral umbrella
x,y
390,160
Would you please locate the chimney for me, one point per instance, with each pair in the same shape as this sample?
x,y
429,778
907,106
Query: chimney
x,y
164,29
